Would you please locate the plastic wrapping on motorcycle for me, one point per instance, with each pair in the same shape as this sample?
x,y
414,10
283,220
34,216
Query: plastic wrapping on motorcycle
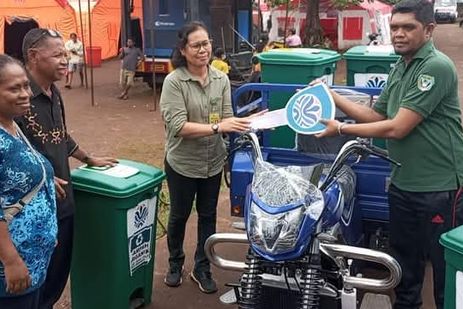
x,y
287,205
282,208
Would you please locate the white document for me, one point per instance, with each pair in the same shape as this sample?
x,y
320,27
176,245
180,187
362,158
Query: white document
x,y
119,170
269,120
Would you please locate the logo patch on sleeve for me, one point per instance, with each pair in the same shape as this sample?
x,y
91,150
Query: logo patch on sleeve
x,y
425,82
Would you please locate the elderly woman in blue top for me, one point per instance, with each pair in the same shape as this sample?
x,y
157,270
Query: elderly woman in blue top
x,y
27,236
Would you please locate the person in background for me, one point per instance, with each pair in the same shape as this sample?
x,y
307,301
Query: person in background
x,y
269,24
419,114
75,50
262,46
45,127
28,232
131,57
293,40
218,61
196,108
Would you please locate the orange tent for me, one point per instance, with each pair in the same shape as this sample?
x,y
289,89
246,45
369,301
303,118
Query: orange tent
x,y
54,14
106,25
63,15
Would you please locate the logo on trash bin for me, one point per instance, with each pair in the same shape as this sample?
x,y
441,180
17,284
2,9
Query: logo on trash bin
x,y
140,229
141,214
376,82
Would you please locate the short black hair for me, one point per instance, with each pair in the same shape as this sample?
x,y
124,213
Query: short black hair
x,y
6,60
36,38
177,59
219,52
422,9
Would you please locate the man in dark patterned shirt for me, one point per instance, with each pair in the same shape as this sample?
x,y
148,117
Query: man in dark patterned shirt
x,y
45,127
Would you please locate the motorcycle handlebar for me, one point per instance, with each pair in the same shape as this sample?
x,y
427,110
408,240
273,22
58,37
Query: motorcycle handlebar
x,y
382,153
357,146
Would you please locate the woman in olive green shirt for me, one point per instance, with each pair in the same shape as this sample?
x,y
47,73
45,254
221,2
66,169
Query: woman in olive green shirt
x,y
196,108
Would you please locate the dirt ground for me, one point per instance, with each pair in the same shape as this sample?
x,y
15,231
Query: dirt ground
x,y
133,129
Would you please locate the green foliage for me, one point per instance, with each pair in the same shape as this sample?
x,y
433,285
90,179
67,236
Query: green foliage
x,y
340,4
273,3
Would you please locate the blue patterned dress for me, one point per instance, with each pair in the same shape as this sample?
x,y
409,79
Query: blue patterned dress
x,y
33,231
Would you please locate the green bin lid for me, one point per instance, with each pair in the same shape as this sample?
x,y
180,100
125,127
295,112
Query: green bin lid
x,y
126,179
453,239
371,53
298,56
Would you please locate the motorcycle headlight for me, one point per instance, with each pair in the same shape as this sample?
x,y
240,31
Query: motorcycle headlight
x,y
274,233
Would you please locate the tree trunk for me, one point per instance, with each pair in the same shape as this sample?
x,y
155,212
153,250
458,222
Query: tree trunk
x,y
313,30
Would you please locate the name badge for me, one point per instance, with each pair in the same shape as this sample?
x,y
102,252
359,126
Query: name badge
x,y
214,115
214,118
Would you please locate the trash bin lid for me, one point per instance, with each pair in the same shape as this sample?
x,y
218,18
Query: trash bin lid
x,y
372,53
298,56
125,179
453,239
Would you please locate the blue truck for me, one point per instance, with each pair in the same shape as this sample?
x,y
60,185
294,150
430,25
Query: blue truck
x,y
163,18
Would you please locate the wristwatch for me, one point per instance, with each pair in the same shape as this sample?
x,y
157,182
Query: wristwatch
x,y
215,128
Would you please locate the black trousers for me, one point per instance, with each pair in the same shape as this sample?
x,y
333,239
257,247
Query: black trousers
x,y
28,301
182,191
417,220
60,265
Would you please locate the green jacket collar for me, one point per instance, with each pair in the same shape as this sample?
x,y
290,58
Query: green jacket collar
x,y
423,52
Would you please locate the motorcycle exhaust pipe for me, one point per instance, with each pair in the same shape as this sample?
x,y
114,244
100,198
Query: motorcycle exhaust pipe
x,y
214,258
395,271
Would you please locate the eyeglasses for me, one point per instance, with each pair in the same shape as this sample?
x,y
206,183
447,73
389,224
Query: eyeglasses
x,y
198,45
45,32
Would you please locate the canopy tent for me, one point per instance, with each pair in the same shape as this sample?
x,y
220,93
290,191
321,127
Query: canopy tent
x,y
347,27
357,21
63,16
105,25
17,17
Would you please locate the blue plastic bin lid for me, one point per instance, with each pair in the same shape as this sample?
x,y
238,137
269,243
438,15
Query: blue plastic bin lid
x,y
453,239
298,56
126,179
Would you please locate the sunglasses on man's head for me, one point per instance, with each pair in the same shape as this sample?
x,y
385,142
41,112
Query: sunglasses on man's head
x,y
45,32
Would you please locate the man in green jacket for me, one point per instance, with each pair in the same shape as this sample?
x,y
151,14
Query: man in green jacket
x,y
419,114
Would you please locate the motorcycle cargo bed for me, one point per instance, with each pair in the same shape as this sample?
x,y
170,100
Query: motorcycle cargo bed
x,y
372,179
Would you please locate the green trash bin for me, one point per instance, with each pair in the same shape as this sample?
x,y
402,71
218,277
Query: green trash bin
x,y
114,238
453,246
369,66
294,66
